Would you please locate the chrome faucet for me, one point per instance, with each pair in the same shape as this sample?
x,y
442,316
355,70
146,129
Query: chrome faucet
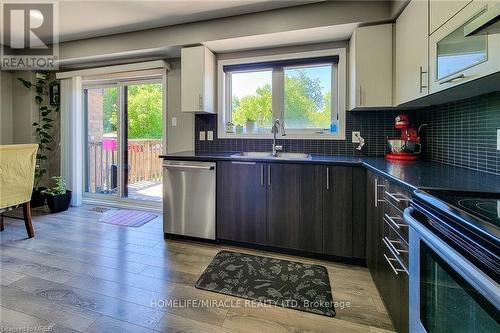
x,y
277,124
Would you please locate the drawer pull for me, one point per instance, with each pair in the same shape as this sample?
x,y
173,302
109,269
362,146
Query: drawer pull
x,y
390,220
390,244
394,269
394,196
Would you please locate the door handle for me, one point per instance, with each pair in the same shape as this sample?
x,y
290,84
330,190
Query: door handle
x,y
269,174
376,192
262,175
189,167
454,78
422,72
327,178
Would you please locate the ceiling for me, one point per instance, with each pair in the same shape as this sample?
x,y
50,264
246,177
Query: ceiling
x,y
86,19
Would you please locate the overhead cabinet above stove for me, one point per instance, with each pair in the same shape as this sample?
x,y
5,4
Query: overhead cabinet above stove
x,y
456,58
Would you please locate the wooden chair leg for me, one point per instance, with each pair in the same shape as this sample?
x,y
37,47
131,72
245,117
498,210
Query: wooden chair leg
x,y
1,222
27,219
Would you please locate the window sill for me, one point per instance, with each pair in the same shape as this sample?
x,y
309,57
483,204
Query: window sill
x,y
280,137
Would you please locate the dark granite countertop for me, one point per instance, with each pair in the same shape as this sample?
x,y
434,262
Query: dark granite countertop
x,y
412,175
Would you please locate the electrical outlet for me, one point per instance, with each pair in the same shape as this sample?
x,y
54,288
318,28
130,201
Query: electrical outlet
x,y
174,121
202,135
355,136
210,135
498,139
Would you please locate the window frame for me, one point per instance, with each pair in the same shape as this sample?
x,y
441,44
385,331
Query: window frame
x,y
338,90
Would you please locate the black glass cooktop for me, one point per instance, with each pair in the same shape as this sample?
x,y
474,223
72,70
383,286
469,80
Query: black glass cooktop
x,y
486,209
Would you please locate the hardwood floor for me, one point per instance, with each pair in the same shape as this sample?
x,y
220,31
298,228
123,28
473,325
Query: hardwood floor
x,y
78,275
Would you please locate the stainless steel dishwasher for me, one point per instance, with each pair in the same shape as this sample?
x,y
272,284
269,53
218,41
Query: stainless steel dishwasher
x,y
189,199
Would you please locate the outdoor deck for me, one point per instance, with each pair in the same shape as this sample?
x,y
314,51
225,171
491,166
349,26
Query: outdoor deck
x,y
146,190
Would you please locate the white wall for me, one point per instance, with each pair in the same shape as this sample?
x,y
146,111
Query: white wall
x,y
181,137
6,120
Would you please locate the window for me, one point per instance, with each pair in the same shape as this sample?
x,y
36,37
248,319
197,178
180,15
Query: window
x,y
251,99
304,90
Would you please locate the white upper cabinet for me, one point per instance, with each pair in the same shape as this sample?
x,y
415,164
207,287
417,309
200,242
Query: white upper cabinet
x,y
197,80
441,11
370,67
411,52
456,58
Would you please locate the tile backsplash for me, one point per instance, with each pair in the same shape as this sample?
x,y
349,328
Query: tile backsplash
x,y
374,127
461,133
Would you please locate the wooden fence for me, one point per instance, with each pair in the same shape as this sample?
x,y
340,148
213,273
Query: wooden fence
x,y
143,164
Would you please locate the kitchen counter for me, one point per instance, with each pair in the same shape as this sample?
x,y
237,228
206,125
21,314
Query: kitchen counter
x,y
412,175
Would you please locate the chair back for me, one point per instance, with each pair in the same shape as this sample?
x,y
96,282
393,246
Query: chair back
x,y
17,173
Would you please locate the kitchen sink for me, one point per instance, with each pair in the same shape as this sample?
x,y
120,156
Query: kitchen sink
x,y
269,155
253,154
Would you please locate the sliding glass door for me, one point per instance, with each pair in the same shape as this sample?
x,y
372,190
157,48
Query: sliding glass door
x,y
144,130
102,158
124,133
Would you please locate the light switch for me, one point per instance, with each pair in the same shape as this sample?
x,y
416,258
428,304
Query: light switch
x,y
210,135
202,135
174,121
355,136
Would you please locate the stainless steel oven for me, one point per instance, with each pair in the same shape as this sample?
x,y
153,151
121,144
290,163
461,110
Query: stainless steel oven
x,y
453,276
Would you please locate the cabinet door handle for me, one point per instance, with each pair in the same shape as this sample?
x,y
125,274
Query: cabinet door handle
x,y
200,101
262,175
376,192
360,97
422,72
327,178
454,78
269,175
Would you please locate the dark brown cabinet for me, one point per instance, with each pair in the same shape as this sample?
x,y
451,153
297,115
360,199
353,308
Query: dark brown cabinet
x,y
337,212
295,201
241,202
303,207
391,282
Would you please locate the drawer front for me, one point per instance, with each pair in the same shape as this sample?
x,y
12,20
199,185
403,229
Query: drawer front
x,y
395,197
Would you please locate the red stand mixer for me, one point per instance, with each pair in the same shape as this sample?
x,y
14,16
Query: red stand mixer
x,y
407,147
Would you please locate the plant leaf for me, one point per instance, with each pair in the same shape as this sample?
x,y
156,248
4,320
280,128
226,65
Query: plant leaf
x,y
27,84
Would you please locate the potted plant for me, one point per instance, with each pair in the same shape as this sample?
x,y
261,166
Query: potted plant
x,y
250,125
42,127
58,197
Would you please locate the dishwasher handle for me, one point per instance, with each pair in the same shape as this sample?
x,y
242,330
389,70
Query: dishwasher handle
x,y
189,167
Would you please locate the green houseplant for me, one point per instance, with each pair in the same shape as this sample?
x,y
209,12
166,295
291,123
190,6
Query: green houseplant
x,y
58,197
42,128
